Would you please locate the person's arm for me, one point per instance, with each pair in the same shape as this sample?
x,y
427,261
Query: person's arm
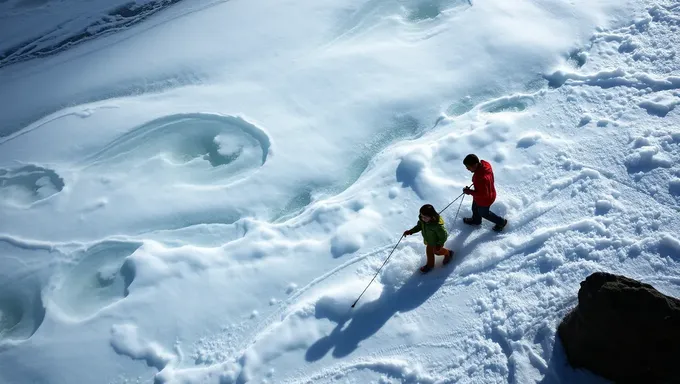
x,y
482,187
415,229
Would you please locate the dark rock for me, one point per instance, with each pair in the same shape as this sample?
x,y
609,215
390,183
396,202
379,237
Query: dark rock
x,y
623,330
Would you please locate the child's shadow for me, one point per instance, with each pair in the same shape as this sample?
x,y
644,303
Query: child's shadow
x,y
367,319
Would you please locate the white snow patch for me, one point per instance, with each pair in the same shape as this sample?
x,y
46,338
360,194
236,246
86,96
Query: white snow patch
x,y
674,187
349,237
603,206
646,158
529,140
126,341
585,119
660,105
584,174
235,202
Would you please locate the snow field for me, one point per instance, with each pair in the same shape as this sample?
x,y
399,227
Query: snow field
x,y
220,233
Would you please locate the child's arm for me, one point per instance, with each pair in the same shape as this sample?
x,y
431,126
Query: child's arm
x,y
415,229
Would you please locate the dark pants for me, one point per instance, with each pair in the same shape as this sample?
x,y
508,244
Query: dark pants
x,y
483,212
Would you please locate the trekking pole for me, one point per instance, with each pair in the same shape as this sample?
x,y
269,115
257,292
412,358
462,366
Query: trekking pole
x,y
395,247
461,204
454,200
376,274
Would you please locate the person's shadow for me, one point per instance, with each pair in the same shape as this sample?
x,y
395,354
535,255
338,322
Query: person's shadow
x,y
366,319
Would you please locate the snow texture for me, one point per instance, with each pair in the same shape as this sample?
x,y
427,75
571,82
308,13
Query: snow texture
x,y
198,192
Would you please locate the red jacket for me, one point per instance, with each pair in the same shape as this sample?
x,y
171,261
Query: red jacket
x,y
484,193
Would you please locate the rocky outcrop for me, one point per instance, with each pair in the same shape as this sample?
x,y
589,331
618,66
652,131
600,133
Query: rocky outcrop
x,y
623,330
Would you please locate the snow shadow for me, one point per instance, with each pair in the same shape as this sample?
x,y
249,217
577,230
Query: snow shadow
x,y
560,372
22,311
28,184
101,277
463,248
367,319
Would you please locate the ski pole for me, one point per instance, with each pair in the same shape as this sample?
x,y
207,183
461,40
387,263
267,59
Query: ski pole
x,y
376,274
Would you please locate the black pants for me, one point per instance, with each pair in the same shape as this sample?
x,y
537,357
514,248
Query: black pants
x,y
484,212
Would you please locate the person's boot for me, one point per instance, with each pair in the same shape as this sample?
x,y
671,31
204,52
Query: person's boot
x,y
448,257
469,221
425,268
498,227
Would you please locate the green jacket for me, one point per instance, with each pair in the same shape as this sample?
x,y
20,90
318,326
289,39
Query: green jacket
x,y
433,233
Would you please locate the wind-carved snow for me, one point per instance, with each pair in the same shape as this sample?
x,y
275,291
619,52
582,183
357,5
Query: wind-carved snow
x,y
228,246
57,35
21,314
187,141
22,306
100,278
28,184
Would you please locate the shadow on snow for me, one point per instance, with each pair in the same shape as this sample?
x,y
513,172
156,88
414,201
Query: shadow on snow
x,y
362,322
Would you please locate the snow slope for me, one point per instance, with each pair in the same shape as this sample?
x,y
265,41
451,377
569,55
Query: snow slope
x,y
201,196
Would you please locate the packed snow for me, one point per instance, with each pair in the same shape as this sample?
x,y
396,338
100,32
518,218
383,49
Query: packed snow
x,y
197,192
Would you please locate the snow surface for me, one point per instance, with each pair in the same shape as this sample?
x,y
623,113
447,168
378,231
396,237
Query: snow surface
x,y
199,192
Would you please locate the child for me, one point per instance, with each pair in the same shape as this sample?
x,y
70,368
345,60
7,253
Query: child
x,y
434,236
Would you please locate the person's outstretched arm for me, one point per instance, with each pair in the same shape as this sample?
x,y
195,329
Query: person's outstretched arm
x,y
413,230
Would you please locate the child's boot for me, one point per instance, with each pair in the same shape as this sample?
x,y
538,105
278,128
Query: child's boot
x,y
430,261
448,257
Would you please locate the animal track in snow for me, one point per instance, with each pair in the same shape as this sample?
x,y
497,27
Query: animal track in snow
x,y
205,145
100,278
28,184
